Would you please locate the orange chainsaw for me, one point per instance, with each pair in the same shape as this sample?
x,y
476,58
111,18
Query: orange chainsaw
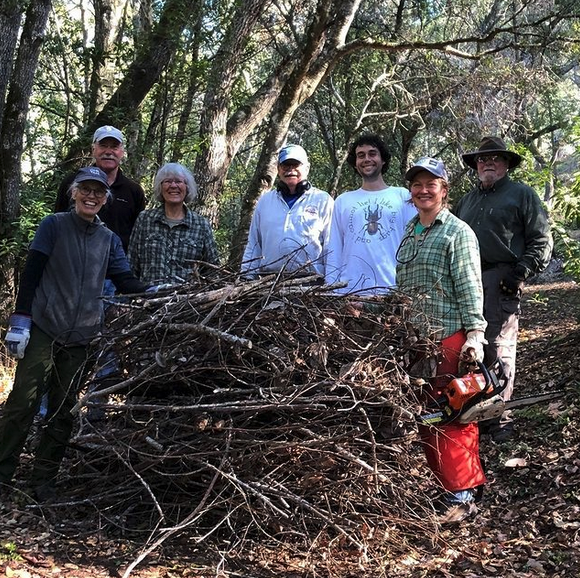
x,y
476,397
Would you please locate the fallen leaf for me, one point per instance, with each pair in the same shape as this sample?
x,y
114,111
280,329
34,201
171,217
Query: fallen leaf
x,y
516,463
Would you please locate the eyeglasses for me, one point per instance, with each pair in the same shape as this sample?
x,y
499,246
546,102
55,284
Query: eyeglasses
x,y
168,182
493,158
87,192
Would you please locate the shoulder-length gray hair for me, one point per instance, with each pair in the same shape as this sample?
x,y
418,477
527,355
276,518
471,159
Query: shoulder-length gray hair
x,y
175,170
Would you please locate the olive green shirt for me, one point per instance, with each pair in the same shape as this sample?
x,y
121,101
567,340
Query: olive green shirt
x,y
510,223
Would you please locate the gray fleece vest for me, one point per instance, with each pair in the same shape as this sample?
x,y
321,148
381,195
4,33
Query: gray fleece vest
x,y
66,304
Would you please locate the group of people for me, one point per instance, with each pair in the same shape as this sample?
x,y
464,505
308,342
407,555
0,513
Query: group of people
x,y
101,240
466,266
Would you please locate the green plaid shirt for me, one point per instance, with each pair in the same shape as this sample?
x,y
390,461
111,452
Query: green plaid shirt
x,y
441,269
160,252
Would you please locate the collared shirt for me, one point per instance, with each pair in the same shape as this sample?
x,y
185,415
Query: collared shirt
x,y
161,251
510,223
290,238
440,268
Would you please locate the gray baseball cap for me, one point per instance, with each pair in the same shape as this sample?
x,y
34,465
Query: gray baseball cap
x,y
108,132
429,164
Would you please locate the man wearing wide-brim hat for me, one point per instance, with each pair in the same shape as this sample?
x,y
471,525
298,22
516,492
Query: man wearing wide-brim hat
x,y
515,243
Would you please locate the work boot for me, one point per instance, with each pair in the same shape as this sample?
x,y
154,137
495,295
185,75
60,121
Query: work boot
x,y
454,507
502,432
457,513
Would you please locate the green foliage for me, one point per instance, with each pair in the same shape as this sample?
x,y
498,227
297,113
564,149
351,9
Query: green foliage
x,y
567,248
9,553
34,207
543,420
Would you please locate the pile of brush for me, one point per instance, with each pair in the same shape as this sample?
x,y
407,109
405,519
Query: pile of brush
x,y
274,407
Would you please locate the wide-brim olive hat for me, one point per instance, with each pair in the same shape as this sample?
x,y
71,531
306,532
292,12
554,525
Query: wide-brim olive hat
x,y
488,146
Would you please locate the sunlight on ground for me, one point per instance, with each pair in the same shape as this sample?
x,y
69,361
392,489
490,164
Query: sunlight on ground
x,y
7,367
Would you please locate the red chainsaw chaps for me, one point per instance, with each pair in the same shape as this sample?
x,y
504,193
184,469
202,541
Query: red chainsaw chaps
x,y
452,450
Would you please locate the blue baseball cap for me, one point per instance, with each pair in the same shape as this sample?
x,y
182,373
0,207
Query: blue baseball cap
x,y
293,153
429,164
108,131
92,174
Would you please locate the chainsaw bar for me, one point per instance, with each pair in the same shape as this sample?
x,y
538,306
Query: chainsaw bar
x,y
490,408
533,399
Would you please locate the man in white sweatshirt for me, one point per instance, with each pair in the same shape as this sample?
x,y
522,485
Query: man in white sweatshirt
x,y
291,223
367,224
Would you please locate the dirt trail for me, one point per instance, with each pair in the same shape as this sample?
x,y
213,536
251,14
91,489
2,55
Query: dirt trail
x,y
528,524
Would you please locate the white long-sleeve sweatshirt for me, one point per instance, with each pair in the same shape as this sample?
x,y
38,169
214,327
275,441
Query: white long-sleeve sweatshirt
x,y
367,228
289,238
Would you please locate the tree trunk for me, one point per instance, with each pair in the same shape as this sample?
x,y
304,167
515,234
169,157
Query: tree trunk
x,y
152,58
16,110
193,85
324,39
13,128
10,16
219,147
103,14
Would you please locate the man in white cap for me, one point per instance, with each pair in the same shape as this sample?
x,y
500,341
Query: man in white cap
x,y
128,198
121,210
290,225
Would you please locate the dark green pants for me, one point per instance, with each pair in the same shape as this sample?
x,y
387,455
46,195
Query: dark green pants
x,y
46,367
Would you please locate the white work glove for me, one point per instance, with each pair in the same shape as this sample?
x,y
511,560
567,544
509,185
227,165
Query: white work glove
x,y
475,340
18,334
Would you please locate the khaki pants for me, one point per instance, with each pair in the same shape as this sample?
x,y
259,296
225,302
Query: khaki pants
x,y
502,315
58,371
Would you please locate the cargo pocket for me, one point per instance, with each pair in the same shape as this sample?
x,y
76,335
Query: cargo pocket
x,y
510,305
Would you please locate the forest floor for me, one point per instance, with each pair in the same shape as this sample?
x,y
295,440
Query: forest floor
x,y
528,523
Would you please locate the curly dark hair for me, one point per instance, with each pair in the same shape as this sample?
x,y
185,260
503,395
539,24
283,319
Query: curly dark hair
x,y
373,140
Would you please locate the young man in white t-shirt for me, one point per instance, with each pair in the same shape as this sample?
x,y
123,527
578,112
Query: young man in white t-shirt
x,y
368,224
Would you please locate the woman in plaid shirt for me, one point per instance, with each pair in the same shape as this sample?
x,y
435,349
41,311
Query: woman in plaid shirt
x,y
169,241
438,262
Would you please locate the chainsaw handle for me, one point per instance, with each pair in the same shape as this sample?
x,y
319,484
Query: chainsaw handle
x,y
485,372
497,378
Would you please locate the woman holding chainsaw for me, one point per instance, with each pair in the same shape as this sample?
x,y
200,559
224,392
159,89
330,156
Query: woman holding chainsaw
x,y
438,262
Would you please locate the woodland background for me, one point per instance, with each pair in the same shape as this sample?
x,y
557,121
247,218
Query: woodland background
x,y
220,85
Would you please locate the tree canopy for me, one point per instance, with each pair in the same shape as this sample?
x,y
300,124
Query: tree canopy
x,y
221,85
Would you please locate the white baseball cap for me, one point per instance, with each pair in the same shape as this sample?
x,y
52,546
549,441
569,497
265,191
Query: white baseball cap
x,y
108,131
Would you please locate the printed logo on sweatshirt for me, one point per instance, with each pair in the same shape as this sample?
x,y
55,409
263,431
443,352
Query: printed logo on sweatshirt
x,y
370,220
